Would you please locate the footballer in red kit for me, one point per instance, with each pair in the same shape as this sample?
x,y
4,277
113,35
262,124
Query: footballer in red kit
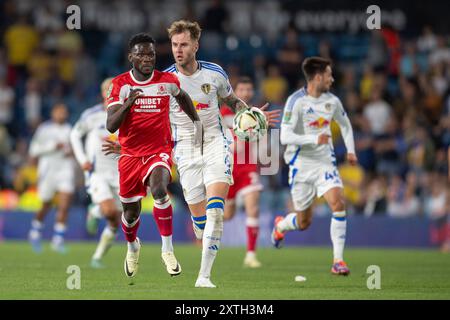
x,y
246,173
144,134
138,106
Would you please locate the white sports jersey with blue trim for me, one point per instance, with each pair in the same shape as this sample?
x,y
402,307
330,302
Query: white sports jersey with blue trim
x,y
92,125
305,118
204,87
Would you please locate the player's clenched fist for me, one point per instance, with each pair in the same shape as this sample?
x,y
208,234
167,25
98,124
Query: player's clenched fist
x,y
352,159
87,166
134,94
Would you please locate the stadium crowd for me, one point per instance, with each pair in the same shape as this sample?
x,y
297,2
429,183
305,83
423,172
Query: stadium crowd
x,y
396,90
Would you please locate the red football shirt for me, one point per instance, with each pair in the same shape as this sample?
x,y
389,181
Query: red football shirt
x,y
146,128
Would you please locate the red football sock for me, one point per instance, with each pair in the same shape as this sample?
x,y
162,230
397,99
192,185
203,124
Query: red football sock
x,y
252,233
162,212
130,230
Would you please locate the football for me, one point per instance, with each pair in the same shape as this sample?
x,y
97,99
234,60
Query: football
x,y
250,124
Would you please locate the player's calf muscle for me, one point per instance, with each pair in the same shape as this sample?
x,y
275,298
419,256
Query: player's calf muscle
x,y
337,204
304,224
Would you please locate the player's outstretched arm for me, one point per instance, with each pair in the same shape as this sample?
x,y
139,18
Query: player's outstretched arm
x,y
271,116
118,112
234,103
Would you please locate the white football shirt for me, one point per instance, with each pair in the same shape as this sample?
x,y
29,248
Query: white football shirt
x,y
305,118
204,87
44,146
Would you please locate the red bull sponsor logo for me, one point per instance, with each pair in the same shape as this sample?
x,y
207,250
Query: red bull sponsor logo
x,y
319,123
200,106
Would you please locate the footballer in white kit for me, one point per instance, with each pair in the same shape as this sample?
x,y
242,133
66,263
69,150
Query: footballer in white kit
x,y
305,129
312,167
205,173
197,171
51,146
101,174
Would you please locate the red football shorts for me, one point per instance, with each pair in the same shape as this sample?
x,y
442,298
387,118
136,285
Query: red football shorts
x,y
134,172
246,179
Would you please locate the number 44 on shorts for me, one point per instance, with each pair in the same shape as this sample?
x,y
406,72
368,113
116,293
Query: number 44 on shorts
x,y
331,175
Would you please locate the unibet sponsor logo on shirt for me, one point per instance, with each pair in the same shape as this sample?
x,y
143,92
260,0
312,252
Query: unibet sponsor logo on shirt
x,y
147,104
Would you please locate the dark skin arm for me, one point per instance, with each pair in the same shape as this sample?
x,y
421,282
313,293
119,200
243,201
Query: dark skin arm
x,y
118,112
183,99
185,103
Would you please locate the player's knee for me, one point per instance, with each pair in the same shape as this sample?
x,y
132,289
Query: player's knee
x,y
131,215
158,190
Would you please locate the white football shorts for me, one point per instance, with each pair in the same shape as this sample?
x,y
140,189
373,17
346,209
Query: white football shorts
x,y
102,188
198,171
311,178
51,182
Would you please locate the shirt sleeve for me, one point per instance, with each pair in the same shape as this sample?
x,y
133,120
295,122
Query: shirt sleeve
x,y
174,86
291,117
77,133
224,88
346,127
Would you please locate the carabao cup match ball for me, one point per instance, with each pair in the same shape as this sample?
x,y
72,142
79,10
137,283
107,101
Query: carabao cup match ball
x,y
250,124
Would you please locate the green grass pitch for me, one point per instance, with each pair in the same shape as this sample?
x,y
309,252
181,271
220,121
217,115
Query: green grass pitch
x,y
405,274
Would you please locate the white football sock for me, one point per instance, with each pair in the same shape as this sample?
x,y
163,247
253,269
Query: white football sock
x,y
106,241
289,223
59,233
338,229
36,230
133,246
167,245
211,239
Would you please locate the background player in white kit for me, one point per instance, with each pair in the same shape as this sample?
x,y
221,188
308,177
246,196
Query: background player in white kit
x,y
51,145
305,129
100,169
205,177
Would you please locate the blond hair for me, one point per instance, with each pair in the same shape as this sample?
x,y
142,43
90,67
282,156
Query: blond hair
x,y
105,87
105,84
181,26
